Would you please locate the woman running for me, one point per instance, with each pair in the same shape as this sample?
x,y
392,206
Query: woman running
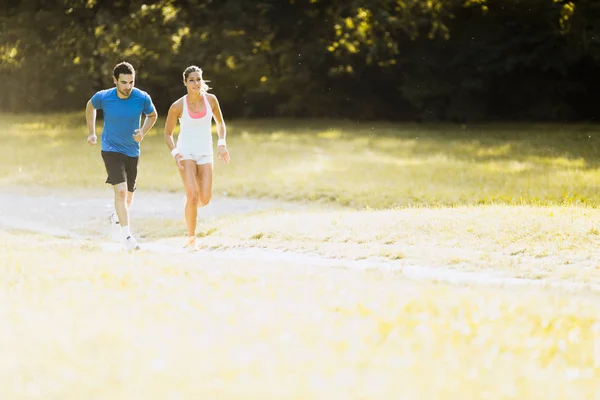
x,y
194,151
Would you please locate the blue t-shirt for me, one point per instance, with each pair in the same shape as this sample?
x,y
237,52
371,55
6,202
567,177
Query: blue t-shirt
x,y
121,118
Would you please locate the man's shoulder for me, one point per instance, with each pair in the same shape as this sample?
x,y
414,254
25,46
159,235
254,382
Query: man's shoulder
x,y
105,92
140,93
99,98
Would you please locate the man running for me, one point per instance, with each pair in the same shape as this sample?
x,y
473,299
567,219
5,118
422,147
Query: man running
x,y
122,107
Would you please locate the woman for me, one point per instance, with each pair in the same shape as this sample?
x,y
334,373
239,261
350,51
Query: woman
x,y
194,151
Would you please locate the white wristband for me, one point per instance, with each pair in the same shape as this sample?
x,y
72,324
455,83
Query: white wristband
x,y
221,142
174,152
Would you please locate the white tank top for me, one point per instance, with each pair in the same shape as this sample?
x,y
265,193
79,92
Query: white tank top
x,y
195,133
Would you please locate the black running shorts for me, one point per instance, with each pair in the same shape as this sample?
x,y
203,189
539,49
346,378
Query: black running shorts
x,y
120,168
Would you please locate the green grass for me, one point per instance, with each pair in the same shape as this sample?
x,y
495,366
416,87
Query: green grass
x,y
82,323
376,165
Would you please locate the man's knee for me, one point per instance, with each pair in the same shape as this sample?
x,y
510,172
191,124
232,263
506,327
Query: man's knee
x,y
121,192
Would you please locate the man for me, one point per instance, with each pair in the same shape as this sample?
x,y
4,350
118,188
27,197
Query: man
x,y
122,107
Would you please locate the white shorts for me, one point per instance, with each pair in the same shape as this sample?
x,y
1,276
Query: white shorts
x,y
199,158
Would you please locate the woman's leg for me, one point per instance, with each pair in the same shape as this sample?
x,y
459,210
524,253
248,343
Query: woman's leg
x,y
204,183
188,177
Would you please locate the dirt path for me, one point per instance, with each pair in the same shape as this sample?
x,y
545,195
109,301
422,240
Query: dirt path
x,y
69,215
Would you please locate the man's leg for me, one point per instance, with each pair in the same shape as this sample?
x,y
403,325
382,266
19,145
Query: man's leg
x,y
129,199
131,172
114,218
122,172
123,199
121,204
115,169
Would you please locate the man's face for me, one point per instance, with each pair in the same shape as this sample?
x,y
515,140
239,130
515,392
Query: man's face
x,y
125,83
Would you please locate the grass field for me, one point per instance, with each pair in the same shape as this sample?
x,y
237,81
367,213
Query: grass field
x,y
374,165
80,322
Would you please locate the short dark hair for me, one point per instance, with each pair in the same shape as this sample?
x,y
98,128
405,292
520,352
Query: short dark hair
x,y
123,68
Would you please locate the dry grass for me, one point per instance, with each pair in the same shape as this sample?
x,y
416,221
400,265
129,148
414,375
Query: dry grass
x,y
80,323
553,243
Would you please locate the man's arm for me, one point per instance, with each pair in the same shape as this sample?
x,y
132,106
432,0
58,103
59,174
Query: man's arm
x,y
90,117
148,124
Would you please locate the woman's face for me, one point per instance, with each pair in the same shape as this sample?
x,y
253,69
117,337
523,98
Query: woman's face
x,y
194,82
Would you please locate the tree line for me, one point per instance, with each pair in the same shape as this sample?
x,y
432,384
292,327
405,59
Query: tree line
x,y
424,60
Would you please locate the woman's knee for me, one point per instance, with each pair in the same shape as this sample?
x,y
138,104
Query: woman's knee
x,y
192,197
203,201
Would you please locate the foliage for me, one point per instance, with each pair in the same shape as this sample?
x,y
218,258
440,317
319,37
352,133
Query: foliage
x,y
452,60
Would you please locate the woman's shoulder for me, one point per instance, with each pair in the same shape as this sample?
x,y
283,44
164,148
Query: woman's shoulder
x,y
212,99
178,104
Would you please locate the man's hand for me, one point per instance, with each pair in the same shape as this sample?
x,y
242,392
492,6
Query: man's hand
x,y
139,135
92,139
223,154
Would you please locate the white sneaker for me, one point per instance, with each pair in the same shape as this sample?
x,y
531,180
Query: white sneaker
x,y
115,227
114,219
131,244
